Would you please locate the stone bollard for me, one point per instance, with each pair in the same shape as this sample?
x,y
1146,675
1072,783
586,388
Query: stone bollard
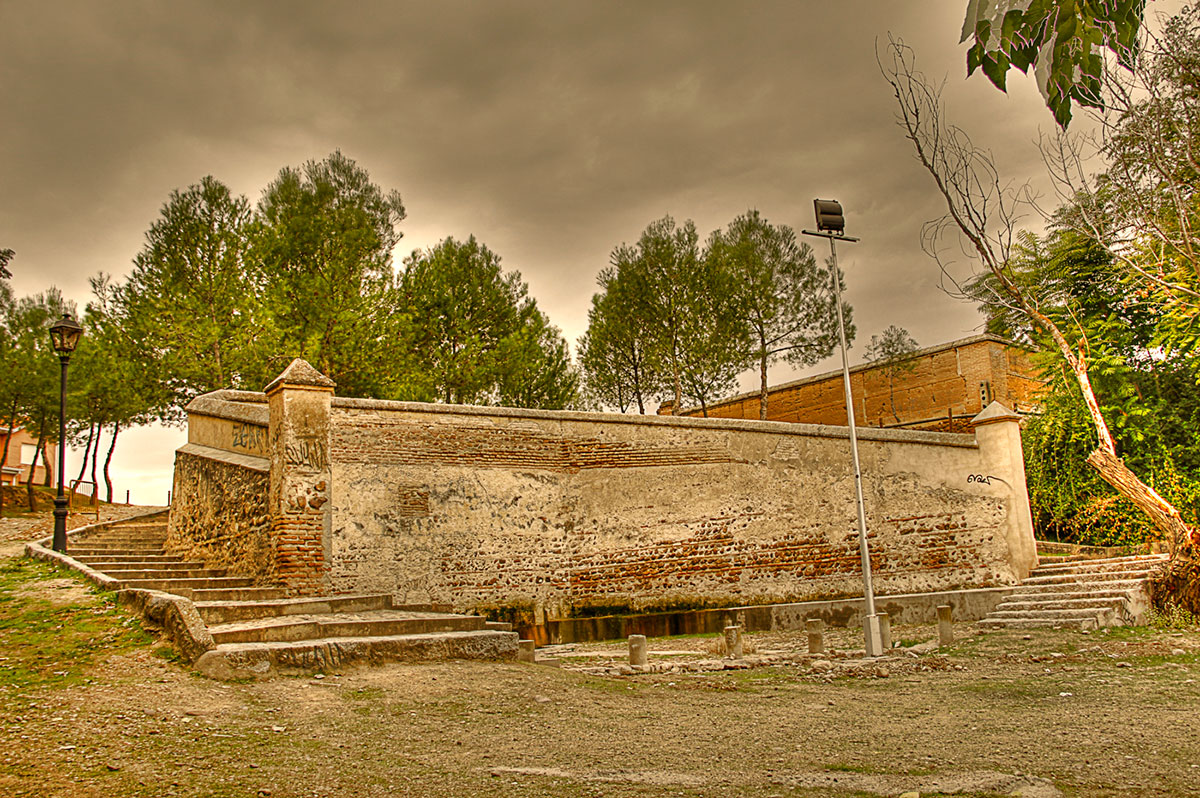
x,y
637,651
733,642
525,651
816,635
885,631
945,625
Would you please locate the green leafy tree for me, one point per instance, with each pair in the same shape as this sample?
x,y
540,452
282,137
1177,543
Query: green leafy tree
x,y
616,355
110,386
6,256
322,248
687,309
190,308
892,351
786,299
478,337
29,388
1064,41
982,214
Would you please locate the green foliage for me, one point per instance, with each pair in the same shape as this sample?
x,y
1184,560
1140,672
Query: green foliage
x,y
480,338
1146,395
1064,40
1171,616
321,250
6,256
669,321
784,297
892,349
190,311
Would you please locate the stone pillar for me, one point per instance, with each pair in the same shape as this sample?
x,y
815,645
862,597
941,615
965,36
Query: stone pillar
x,y
1002,474
945,625
733,642
298,505
816,635
637,651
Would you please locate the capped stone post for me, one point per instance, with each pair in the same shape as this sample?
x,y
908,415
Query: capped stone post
x,y
299,402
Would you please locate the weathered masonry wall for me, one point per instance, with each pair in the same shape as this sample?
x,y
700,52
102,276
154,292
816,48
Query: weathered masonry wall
x,y
219,509
562,513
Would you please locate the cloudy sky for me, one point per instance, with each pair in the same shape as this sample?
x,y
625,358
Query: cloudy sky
x,y
553,131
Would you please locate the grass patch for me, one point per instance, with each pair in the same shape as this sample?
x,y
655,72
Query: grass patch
x,y
47,644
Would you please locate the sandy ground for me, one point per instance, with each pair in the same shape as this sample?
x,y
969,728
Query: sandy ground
x,y
1058,713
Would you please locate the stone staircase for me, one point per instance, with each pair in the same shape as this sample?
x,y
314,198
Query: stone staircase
x,y
1075,592
257,629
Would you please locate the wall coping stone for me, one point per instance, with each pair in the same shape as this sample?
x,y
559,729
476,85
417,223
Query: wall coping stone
x,y
231,409
743,425
260,464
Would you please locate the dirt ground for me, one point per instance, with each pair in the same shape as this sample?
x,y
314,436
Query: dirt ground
x,y
1037,714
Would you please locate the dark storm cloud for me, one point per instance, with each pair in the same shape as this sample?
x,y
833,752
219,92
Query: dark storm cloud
x,y
553,131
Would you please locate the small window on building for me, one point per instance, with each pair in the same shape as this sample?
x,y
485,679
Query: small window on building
x,y
28,453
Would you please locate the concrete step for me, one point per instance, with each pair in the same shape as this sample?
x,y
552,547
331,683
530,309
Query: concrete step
x,y
215,612
116,551
1027,623
1050,614
1085,578
1050,603
169,573
119,559
1083,588
377,623
173,585
1063,592
234,660
1093,566
233,594
142,565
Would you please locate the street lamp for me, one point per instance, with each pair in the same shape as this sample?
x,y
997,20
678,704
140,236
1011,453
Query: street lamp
x,y
831,224
64,336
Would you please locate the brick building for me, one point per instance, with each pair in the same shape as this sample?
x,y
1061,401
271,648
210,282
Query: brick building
x,y
938,388
21,450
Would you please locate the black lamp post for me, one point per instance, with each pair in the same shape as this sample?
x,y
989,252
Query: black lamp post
x,y
64,335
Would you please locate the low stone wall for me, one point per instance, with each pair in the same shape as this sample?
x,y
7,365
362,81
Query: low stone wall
x,y
219,498
550,514
560,513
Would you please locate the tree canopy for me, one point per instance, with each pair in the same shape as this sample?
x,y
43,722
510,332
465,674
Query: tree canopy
x,y
1064,41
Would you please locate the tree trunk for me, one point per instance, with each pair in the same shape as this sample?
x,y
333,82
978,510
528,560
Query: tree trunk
x,y
12,419
95,459
49,472
1114,471
87,452
41,441
108,459
762,383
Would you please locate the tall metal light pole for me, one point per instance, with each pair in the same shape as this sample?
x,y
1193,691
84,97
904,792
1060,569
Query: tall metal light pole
x,y
64,336
832,225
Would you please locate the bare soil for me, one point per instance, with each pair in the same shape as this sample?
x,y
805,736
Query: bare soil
x,y
1038,713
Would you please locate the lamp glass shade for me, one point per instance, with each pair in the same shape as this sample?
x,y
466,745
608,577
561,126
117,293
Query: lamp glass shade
x,y
64,334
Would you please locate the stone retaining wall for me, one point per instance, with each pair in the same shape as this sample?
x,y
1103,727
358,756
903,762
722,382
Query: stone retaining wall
x,y
561,513
219,497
